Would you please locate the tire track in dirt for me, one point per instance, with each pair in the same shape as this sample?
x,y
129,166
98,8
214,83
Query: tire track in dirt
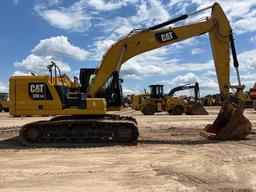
x,y
213,184
40,174
9,129
185,179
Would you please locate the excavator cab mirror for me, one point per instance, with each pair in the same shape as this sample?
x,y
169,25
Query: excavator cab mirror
x,y
156,91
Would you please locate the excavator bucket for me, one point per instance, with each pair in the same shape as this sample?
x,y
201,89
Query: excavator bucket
x,y
230,124
196,108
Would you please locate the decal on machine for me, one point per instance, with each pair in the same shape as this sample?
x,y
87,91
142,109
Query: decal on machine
x,y
166,36
39,91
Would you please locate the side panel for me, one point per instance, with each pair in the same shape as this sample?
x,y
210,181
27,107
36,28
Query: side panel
x,y
35,95
174,101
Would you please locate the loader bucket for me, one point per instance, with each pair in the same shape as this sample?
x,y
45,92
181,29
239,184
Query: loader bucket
x,y
196,108
229,124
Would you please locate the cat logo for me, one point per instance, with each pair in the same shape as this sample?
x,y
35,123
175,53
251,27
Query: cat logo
x,y
37,91
36,88
166,36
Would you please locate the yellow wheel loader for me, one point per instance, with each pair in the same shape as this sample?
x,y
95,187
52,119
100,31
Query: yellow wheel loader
x,y
82,114
156,101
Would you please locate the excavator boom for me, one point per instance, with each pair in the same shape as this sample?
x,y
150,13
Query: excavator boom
x,y
137,42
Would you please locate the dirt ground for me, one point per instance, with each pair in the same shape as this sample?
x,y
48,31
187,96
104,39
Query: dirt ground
x,y
170,156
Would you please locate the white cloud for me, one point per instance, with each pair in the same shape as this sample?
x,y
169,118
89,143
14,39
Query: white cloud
x,y
38,64
197,51
3,87
189,78
130,76
52,49
247,61
79,16
150,12
127,91
210,74
247,68
192,42
74,18
59,46
103,5
145,64
99,48
184,79
253,40
248,79
179,6
20,73
158,62
207,85
208,81
241,13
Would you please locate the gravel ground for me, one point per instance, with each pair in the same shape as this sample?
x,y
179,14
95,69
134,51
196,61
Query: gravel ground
x,y
170,156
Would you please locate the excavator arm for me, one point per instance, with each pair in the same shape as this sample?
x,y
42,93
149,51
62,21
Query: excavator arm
x,y
185,87
138,42
230,122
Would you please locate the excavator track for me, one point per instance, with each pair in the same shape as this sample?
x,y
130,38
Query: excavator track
x,y
65,131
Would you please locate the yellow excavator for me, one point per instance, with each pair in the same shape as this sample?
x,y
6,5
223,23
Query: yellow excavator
x,y
82,114
156,101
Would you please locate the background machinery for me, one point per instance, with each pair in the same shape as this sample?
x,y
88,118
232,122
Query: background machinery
x,y
211,100
157,101
82,113
247,98
127,101
252,94
4,102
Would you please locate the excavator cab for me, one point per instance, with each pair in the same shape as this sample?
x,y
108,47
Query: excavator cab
x,y
111,91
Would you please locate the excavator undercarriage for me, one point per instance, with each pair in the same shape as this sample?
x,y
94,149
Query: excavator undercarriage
x,y
78,130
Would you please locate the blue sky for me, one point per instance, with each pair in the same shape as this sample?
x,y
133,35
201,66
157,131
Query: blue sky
x,y
76,33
